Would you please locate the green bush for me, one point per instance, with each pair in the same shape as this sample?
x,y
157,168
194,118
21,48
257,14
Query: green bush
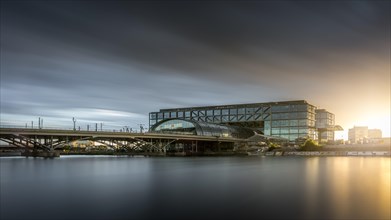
x,y
310,145
272,146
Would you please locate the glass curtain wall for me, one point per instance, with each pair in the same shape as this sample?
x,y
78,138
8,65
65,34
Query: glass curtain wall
x,y
189,127
290,120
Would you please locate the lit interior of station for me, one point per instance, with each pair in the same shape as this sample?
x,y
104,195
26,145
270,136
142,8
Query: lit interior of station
x,y
289,120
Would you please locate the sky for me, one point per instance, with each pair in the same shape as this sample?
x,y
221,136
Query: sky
x,y
113,62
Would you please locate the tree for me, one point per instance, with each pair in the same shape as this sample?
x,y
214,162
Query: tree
x,y
309,145
273,146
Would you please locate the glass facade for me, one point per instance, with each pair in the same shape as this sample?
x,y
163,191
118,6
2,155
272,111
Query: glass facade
x,y
188,127
325,119
290,120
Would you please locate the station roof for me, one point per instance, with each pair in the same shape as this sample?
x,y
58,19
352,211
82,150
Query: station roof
x,y
191,127
237,105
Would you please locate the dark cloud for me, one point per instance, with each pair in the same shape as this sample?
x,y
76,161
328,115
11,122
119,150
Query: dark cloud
x,y
141,56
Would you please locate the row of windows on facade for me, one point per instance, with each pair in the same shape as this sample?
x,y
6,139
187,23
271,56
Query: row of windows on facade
x,y
293,137
276,123
289,131
289,123
292,115
324,122
234,111
325,115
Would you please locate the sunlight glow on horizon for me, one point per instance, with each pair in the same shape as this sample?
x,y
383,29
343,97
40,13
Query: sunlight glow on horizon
x,y
381,122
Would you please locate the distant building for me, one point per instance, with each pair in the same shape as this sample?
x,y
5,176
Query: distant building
x,y
374,133
361,134
290,120
358,134
325,119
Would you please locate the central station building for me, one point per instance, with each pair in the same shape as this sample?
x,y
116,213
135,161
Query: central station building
x,y
289,120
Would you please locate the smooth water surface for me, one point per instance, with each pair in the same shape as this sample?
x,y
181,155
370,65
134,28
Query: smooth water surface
x,y
85,187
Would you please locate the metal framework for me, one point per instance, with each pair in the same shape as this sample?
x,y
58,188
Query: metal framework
x,y
50,140
289,119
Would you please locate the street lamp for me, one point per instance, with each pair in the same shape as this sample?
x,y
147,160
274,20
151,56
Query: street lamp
x,y
74,123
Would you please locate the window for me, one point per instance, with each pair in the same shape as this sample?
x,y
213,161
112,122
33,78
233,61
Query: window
x,y
166,115
216,118
303,131
284,131
241,118
302,114
209,113
249,117
293,123
284,115
302,108
180,114
293,130
284,122
293,115
275,130
217,112
276,116
293,137
303,122
267,124
224,112
160,115
276,108
267,131
233,118
173,114
233,111
187,114
153,115
249,110
258,117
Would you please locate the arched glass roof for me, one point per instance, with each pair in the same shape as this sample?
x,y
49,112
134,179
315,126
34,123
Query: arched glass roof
x,y
190,127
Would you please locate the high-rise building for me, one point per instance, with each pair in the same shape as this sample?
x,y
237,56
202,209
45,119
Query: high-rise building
x,y
288,119
324,120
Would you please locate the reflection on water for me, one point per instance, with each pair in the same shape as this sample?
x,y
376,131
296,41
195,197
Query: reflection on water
x,y
195,188
348,188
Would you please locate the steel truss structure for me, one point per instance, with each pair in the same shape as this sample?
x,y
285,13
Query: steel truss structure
x,y
51,140
291,120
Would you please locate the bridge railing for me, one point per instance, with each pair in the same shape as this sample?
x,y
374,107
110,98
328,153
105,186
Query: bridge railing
x,y
92,129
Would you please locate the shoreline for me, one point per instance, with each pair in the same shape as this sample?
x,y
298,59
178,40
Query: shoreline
x,y
215,154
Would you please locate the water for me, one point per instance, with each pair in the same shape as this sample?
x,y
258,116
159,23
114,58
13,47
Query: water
x,y
195,188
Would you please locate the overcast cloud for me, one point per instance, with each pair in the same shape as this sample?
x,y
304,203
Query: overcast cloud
x,y
115,61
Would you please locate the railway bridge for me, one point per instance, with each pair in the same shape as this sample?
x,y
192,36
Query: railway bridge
x,y
50,140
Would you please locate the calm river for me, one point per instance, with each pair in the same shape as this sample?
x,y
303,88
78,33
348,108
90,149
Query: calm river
x,y
87,187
